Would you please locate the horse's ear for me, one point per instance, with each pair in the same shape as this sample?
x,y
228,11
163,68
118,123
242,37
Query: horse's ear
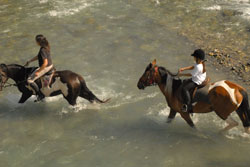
x,y
3,66
154,62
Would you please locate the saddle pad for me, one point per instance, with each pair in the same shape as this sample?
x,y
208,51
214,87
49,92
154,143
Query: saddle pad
x,y
46,79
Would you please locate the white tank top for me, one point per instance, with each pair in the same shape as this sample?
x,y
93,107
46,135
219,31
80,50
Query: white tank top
x,y
197,74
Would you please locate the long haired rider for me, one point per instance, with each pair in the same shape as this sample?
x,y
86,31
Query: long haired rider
x,y
45,64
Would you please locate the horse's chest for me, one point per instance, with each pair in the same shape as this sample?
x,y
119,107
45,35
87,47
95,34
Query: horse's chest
x,y
55,86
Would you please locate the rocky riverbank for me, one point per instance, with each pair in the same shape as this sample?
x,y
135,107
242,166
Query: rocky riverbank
x,y
225,56
231,63
227,47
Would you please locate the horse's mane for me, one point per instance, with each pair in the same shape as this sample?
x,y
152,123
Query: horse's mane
x,y
164,74
22,69
20,66
16,65
164,71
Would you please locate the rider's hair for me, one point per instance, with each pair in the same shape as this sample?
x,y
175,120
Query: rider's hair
x,y
42,41
203,63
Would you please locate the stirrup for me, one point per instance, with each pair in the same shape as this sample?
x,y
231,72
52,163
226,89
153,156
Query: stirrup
x,y
184,108
187,108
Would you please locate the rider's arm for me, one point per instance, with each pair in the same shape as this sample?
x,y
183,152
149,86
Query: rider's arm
x,y
204,66
31,60
185,75
45,63
186,68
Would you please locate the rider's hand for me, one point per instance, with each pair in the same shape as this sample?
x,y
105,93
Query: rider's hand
x,y
37,73
26,64
180,70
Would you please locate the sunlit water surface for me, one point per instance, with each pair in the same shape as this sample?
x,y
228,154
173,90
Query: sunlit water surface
x,y
108,42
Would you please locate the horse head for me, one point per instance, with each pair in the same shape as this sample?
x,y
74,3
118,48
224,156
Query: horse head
x,y
149,77
3,75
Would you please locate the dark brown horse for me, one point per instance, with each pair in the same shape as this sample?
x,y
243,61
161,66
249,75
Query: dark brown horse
x,y
222,97
67,83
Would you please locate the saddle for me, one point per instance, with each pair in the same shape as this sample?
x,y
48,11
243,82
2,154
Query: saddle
x,y
193,91
47,78
202,85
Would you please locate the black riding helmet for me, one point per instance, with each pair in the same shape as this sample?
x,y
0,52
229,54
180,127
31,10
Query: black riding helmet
x,y
199,53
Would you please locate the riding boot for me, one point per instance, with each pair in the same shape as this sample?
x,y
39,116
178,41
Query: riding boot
x,y
187,106
39,94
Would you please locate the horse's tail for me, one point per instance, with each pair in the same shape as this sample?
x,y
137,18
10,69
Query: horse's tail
x,y
244,111
87,94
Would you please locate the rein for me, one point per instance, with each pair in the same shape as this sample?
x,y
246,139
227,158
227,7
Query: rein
x,y
10,84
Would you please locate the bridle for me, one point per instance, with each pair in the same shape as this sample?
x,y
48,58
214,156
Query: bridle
x,y
3,75
5,84
152,76
152,81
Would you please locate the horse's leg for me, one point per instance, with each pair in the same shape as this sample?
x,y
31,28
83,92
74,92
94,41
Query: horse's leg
x,y
24,97
72,95
187,118
171,116
231,124
71,99
244,119
244,112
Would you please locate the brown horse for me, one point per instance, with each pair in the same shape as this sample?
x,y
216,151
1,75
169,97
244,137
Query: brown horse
x,y
222,97
67,83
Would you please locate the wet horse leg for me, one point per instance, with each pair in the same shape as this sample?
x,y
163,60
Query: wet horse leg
x,y
187,118
71,100
72,96
171,116
244,119
244,112
24,97
231,124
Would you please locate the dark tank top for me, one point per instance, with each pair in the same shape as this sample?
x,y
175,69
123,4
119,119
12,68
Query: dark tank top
x,y
44,54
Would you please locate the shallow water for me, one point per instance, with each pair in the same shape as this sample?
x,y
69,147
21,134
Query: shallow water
x,y
110,43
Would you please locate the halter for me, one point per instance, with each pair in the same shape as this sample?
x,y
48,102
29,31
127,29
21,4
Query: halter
x,y
152,80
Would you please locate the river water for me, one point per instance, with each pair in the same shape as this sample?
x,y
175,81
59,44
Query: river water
x,y
110,42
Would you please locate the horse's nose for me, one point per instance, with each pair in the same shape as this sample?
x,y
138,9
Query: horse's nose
x,y
140,85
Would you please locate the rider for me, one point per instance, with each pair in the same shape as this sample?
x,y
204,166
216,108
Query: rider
x,y
198,75
45,64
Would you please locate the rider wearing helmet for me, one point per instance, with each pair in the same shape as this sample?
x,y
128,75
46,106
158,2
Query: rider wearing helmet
x,y
45,64
198,75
